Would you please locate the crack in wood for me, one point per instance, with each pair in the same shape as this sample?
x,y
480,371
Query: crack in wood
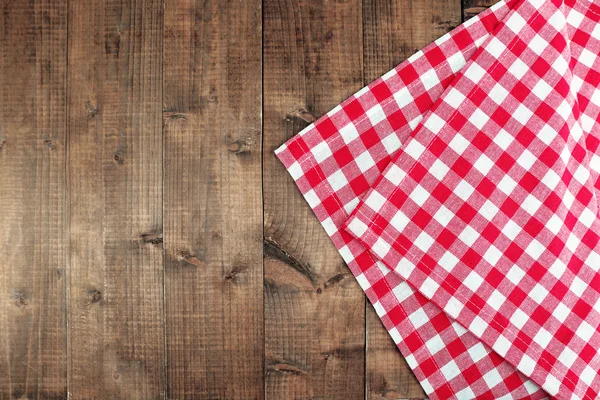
x,y
334,280
301,114
286,368
274,250
174,115
191,259
155,239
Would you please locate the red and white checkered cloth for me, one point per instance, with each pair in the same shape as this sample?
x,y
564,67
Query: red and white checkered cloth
x,y
471,171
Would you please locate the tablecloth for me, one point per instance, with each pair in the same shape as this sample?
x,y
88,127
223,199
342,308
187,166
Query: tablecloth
x,y
461,190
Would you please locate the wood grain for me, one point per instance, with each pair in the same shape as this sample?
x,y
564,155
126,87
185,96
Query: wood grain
x,y
115,124
213,199
314,309
393,31
33,198
473,7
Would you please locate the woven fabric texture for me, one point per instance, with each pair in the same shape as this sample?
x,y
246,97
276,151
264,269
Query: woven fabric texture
x,y
461,190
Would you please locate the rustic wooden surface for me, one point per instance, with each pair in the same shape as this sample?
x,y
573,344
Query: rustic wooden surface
x,y
151,245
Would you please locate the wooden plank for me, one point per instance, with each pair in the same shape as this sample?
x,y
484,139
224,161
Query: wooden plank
x,y
314,309
473,7
115,122
213,199
393,31
33,198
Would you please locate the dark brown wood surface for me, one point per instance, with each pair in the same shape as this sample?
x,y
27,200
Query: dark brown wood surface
x,y
151,245
314,310
474,7
34,213
116,329
213,199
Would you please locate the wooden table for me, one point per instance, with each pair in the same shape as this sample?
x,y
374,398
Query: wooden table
x,y
151,245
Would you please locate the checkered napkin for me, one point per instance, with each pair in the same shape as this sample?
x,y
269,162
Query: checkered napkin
x,y
460,188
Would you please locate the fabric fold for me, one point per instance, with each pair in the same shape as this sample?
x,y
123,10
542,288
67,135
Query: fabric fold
x,y
490,207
